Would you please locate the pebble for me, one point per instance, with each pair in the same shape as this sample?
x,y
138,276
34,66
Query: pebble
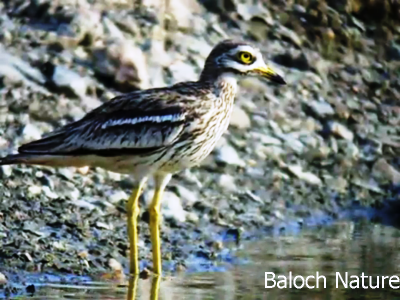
x,y
118,196
341,131
188,197
240,118
228,155
31,132
322,109
34,190
383,171
67,173
227,183
171,207
6,171
83,170
182,71
306,176
123,61
68,80
3,279
265,139
48,193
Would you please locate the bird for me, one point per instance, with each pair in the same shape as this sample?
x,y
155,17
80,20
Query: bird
x,y
155,133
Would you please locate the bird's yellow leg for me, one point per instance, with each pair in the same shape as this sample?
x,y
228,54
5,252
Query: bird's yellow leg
x,y
132,208
132,288
155,287
161,181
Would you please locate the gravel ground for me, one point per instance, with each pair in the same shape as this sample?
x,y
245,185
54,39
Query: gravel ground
x,y
293,155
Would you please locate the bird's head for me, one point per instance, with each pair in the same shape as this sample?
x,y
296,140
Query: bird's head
x,y
238,58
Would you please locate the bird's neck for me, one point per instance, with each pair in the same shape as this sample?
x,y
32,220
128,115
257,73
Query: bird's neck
x,y
222,82
226,86
227,80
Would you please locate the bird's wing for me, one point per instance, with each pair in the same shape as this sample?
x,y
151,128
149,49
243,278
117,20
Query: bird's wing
x,y
135,123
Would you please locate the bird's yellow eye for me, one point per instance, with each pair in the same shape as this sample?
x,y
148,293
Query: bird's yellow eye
x,y
246,57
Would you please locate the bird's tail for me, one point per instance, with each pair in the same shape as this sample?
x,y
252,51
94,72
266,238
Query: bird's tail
x,y
44,160
12,159
29,159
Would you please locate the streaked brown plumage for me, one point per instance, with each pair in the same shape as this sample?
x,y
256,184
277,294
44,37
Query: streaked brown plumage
x,y
155,132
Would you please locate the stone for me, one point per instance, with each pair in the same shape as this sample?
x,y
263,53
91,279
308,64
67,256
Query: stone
x,y
118,196
182,71
5,171
48,193
31,132
240,118
171,207
34,190
228,155
227,182
64,80
321,109
384,172
3,279
124,62
188,197
306,176
341,131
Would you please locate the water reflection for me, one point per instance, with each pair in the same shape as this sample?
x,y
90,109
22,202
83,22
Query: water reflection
x,y
345,247
133,288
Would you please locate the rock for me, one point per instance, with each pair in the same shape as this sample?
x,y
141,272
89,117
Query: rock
x,y
31,132
182,71
292,141
265,139
188,197
184,12
34,190
226,154
110,29
341,131
3,279
384,172
289,35
5,171
336,183
83,170
64,80
172,207
122,61
117,271
240,118
48,193
72,193
227,183
83,203
67,173
118,196
321,109
115,265
85,25
306,176
15,71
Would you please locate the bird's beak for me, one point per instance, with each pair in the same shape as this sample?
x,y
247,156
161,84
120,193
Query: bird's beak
x,y
270,74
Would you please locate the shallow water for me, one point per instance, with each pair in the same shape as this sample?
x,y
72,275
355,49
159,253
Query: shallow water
x,y
352,247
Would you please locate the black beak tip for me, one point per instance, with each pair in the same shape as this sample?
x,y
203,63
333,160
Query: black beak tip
x,y
279,79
